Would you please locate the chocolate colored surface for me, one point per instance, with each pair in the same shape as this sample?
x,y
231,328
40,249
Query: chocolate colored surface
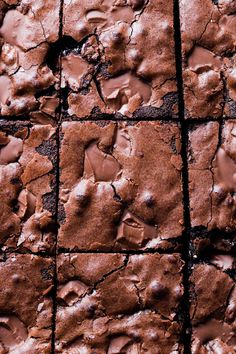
x,y
120,186
213,306
28,28
118,304
26,304
122,58
123,181
209,57
27,186
212,172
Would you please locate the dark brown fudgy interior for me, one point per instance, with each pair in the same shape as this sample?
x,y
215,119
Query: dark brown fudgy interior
x,y
132,272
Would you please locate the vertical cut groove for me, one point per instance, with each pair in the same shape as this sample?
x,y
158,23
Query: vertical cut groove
x,y
57,183
186,336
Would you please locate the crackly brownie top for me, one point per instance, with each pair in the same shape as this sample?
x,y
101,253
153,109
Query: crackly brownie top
x,y
25,304
120,185
27,29
212,175
27,156
209,54
116,303
122,57
213,308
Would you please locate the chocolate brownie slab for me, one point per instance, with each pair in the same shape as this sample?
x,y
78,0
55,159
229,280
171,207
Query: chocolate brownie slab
x,y
26,304
213,306
28,29
110,303
212,171
209,57
27,186
120,186
120,59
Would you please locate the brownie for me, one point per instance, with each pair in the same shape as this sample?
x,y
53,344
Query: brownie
x,y
28,77
213,306
119,58
209,57
27,186
111,303
212,171
120,186
26,304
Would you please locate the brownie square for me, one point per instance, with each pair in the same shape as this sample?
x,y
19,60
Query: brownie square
x,y
27,186
120,59
26,304
28,77
212,171
213,305
120,186
208,30
112,303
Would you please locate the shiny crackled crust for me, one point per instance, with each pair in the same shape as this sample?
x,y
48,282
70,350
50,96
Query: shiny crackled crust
x,y
115,303
213,306
122,58
26,304
212,175
209,57
28,29
27,186
120,186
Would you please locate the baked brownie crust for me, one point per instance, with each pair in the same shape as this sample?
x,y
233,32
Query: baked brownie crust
x,y
212,170
213,306
27,186
120,186
122,58
26,304
114,303
209,57
27,83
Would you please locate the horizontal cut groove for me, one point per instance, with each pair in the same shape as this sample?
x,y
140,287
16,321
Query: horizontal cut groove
x,y
112,118
26,118
64,250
